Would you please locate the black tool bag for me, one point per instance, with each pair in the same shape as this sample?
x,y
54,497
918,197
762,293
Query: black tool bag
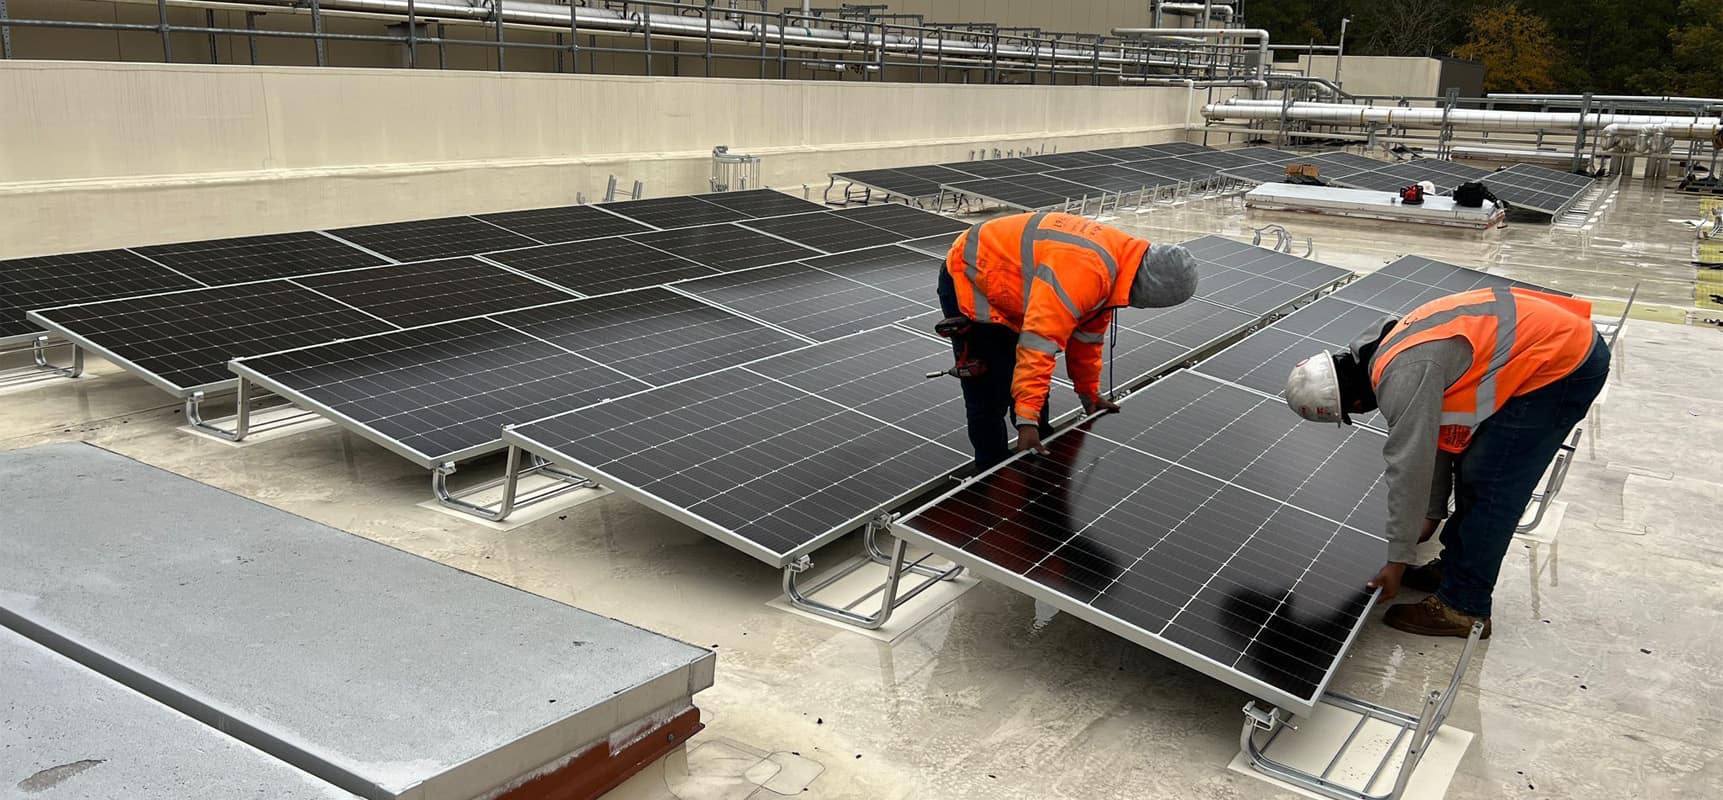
x,y
1473,195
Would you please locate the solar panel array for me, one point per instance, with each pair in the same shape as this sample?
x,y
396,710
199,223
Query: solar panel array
x,y
1203,521
1035,183
1523,186
1538,188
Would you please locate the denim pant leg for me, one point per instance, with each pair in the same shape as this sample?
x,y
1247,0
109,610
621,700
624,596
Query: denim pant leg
x,y
1498,473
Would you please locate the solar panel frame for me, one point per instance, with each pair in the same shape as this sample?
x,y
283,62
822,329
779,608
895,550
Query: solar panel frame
x,y
527,353
1049,585
1003,191
725,247
1175,169
1263,172
938,245
904,220
1178,148
809,302
1071,160
601,266
219,262
825,231
760,202
902,271
1256,279
668,213
434,291
432,239
565,224
1535,188
891,182
1115,178
41,282
996,167
1220,159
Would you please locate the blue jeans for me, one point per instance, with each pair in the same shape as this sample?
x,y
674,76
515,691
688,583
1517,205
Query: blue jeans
x,y
1495,477
987,400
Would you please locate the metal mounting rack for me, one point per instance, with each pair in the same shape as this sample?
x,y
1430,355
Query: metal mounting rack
x,y
890,597
42,367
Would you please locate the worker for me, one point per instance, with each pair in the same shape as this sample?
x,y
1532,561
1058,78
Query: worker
x,y
1031,285
1479,390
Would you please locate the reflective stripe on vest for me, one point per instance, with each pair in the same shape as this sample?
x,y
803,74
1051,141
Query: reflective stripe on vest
x,y
1490,320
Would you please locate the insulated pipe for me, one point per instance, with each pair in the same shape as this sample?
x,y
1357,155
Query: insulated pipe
x,y
1458,119
1198,9
1603,98
1212,33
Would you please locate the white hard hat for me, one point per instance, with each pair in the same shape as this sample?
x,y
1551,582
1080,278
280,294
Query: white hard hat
x,y
1313,390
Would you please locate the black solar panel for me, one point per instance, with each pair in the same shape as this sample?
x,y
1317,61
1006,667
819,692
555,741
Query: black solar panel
x,y
438,393
1537,188
1446,175
1376,181
1260,173
1334,166
760,202
997,168
725,247
601,266
565,224
906,273
258,258
1110,178
182,341
768,468
816,304
1244,572
1178,148
938,246
1080,158
1266,154
903,220
654,335
848,371
433,238
1263,360
1137,153
674,212
1414,280
1221,159
824,231
47,281
891,181
435,291
934,172
1193,325
1006,191
1176,169
1256,279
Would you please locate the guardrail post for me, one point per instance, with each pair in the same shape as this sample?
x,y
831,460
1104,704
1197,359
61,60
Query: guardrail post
x,y
162,23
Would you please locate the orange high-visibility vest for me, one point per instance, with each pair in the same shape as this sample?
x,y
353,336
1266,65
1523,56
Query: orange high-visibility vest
x,y
1054,279
1521,341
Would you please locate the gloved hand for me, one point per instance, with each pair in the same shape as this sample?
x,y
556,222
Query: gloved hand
x,y
1029,438
1098,403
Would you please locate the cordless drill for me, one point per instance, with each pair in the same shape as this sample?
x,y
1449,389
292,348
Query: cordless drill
x,y
957,329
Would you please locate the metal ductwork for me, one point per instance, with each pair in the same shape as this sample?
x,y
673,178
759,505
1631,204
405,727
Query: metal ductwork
x,y
1459,119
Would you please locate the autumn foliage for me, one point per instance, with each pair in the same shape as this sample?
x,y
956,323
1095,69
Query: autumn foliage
x,y
1518,52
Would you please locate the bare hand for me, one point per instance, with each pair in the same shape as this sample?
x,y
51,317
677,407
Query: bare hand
x,y
1098,403
1388,580
1430,526
1029,438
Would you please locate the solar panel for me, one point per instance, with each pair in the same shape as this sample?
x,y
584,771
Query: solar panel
x,y
423,239
1005,191
724,247
1537,188
1245,573
673,212
934,172
1176,169
1344,163
182,341
997,168
847,372
1071,160
938,246
565,224
1193,325
439,393
653,334
1260,173
1445,174
1256,279
1262,360
799,298
1414,280
1221,159
903,220
1178,148
1266,154
47,281
1135,153
1110,178
1375,181
760,202
824,231
601,266
906,273
891,181
769,468
434,291
1054,186
259,258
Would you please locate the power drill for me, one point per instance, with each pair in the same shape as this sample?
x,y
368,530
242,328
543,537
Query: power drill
x,y
957,329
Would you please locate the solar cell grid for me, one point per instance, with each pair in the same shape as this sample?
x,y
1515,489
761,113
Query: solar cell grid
x,y
906,273
1237,582
653,334
674,212
182,341
1375,181
1110,178
1174,168
1266,154
760,202
880,375
771,469
824,231
1177,148
434,291
1446,175
1256,279
423,239
903,220
1221,159
1007,191
601,266
1071,160
565,224
1260,173
257,258
891,181
1537,188
938,246
933,172
46,281
1344,162
807,301
438,393
724,247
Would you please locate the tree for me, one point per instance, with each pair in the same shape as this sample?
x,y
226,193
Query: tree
x,y
1696,53
1516,48
1407,27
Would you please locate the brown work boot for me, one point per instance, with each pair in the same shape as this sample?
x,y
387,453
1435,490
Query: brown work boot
x,y
1432,617
1425,578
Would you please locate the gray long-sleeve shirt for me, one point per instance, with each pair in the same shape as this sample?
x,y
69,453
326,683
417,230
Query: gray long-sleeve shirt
x,y
1420,474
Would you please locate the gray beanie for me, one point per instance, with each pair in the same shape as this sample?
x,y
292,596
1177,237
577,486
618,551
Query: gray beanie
x,y
1167,277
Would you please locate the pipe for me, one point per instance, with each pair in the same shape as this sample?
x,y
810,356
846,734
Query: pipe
x,y
1603,98
1458,119
1198,9
1213,33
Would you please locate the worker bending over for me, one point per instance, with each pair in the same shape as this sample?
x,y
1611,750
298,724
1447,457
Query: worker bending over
x,y
1036,284
1479,389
